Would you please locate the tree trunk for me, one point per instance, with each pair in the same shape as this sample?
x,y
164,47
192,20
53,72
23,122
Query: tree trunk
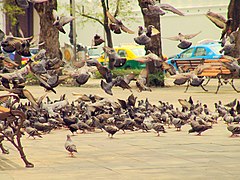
x,y
155,45
234,13
108,32
48,33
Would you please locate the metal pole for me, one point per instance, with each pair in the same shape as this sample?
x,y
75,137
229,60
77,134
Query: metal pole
x,y
74,28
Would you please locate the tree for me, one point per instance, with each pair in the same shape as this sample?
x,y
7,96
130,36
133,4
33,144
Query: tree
x,y
48,33
99,14
155,46
234,13
12,12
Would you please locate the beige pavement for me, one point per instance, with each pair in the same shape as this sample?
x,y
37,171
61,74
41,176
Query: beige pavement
x,y
134,155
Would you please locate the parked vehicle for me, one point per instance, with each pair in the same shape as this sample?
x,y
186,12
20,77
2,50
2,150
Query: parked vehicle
x,y
130,52
94,52
201,51
33,51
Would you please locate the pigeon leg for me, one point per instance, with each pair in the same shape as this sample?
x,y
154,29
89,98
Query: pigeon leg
x,y
207,81
158,134
204,88
188,82
219,84
234,135
199,134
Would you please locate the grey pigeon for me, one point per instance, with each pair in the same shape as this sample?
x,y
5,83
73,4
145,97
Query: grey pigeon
x,y
234,130
69,146
33,132
60,21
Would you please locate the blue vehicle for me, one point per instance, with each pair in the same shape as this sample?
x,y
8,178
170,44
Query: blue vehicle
x,y
201,51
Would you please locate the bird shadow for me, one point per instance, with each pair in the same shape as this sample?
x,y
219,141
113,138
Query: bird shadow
x,y
32,139
71,156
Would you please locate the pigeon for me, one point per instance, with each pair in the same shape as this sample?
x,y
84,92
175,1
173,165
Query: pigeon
x,y
168,7
143,39
227,49
158,127
60,21
238,107
148,58
32,132
69,146
114,59
178,123
184,44
142,81
20,45
104,71
234,130
221,22
196,127
185,104
111,130
119,81
232,103
107,87
97,40
117,26
153,10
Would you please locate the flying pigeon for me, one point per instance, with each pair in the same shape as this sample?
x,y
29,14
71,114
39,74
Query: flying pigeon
x,y
97,40
61,20
145,34
153,10
221,23
117,26
184,44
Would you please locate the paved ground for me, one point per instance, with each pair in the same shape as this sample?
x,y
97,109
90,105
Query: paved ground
x,y
134,155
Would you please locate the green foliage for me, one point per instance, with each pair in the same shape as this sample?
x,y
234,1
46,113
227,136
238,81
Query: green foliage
x,y
156,79
93,8
12,10
31,79
120,72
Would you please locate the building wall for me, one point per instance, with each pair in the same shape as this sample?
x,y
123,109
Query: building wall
x,y
194,21
2,19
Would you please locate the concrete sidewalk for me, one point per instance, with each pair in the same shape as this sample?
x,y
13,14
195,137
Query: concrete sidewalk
x,y
134,155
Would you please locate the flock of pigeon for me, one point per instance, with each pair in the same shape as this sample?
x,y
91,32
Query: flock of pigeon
x,y
91,112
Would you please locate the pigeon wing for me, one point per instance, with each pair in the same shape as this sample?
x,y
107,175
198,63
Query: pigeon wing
x,y
190,36
2,35
112,18
172,9
217,19
30,97
173,38
66,19
126,30
55,15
